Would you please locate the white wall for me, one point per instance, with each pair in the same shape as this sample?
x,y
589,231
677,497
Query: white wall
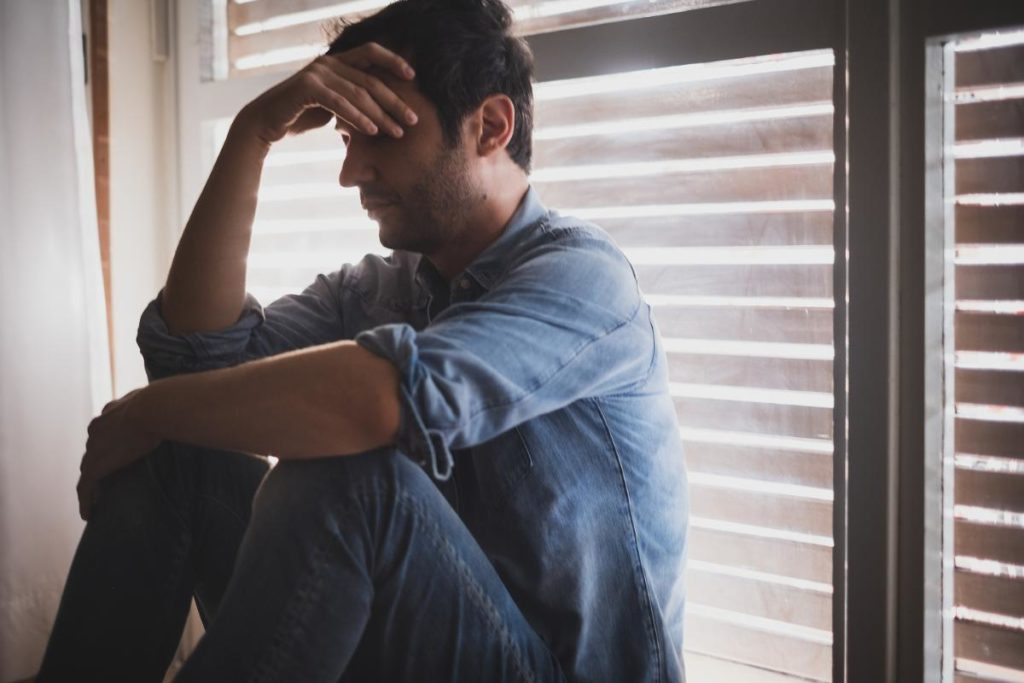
x,y
143,168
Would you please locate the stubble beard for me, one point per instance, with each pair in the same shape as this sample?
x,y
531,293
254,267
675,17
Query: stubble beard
x,y
434,210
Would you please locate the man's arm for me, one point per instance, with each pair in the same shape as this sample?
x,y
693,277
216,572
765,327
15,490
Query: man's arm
x,y
334,399
205,288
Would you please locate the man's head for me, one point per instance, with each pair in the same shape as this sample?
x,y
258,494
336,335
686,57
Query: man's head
x,y
474,98
463,51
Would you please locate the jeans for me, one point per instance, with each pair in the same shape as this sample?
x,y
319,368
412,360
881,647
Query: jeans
x,y
344,568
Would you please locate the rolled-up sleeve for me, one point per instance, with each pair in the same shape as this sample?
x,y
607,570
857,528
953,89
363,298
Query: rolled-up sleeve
x,y
294,321
566,323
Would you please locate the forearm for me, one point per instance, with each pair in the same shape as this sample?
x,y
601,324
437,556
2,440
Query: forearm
x,y
335,399
205,288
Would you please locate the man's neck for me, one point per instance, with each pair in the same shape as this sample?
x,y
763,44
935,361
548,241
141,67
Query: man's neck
x,y
483,226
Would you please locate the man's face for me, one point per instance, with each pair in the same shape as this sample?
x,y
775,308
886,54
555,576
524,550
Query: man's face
x,y
418,187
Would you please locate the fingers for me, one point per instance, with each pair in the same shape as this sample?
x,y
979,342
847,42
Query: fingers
x,y
371,97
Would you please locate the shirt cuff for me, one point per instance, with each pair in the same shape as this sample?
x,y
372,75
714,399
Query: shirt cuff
x,y
428,447
167,354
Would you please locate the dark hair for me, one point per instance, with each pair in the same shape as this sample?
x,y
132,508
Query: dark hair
x,y
463,51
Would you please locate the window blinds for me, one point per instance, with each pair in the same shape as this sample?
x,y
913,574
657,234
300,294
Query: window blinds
x,y
270,35
985,358
716,180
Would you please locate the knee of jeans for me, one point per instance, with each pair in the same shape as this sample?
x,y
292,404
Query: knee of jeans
x,y
298,484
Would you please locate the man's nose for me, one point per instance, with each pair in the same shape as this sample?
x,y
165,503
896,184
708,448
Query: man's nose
x,y
356,169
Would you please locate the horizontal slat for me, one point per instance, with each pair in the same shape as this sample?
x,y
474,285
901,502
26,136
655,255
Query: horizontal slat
x,y
733,139
807,281
768,650
989,332
809,423
786,558
247,47
252,12
747,507
990,282
546,20
999,174
990,438
990,489
769,373
342,209
724,94
1003,544
810,182
753,229
986,120
789,467
792,325
985,67
988,386
989,224
999,646
707,668
989,593
760,598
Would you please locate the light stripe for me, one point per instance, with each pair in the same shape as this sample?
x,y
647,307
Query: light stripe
x,y
990,413
277,159
761,577
990,360
989,463
688,73
988,618
761,486
308,16
698,301
977,565
760,532
281,55
988,93
553,8
989,516
753,440
751,349
285,193
732,256
998,306
782,397
989,40
991,199
702,209
690,120
324,259
640,169
749,621
300,225
985,149
989,254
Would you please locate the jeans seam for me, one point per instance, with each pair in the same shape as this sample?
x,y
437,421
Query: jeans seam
x,y
645,588
476,593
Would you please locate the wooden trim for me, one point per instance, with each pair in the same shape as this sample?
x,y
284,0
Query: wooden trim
x,y
99,82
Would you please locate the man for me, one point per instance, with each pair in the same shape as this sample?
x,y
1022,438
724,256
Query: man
x,y
480,475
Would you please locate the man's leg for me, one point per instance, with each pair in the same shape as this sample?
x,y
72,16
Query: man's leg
x,y
358,565
161,528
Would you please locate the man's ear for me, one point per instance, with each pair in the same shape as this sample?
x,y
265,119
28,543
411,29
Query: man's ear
x,y
496,121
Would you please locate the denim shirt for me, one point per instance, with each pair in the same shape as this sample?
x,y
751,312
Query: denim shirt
x,y
534,390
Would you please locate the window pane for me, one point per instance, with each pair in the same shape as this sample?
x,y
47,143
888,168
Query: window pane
x,y
716,180
984,362
276,35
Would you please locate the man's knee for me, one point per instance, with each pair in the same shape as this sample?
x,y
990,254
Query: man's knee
x,y
333,481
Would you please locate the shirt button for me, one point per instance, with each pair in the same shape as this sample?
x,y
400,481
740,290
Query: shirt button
x,y
464,283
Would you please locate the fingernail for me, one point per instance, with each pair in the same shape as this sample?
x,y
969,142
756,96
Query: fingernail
x,y
397,132
411,117
409,72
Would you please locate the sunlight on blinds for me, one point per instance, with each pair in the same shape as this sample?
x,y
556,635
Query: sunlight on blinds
x,y
273,35
716,180
984,166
